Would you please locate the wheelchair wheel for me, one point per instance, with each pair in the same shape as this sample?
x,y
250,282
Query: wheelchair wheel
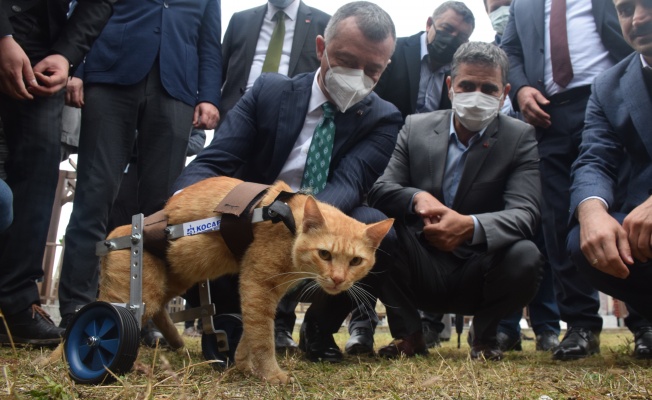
x,y
231,324
101,338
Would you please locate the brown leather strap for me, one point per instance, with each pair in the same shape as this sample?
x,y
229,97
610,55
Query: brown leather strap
x,y
236,209
154,236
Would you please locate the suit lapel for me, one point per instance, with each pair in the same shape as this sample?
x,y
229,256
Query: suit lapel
x,y
251,40
437,145
637,100
475,160
413,61
304,19
291,116
537,21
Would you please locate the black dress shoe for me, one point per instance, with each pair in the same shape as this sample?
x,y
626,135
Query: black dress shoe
x,y
317,344
431,336
31,326
643,343
577,343
66,319
152,337
547,340
486,352
408,346
360,342
508,343
284,343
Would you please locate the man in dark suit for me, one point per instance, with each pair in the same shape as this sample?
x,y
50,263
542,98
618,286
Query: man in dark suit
x,y
156,68
462,223
39,47
553,98
247,38
415,82
612,246
266,137
244,50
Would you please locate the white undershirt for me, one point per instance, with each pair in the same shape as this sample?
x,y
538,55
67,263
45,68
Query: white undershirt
x,y
589,56
266,35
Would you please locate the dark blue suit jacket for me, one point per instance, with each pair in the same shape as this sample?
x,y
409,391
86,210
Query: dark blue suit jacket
x,y
523,41
617,127
257,135
184,34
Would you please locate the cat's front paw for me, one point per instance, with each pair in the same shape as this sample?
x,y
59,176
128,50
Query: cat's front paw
x,y
279,378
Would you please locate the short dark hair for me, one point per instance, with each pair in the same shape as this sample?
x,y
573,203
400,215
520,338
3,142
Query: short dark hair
x,y
480,53
458,7
374,22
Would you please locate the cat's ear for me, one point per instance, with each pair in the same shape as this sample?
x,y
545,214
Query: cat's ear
x,y
376,232
312,217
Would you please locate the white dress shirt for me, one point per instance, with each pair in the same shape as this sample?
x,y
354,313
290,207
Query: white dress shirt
x,y
292,171
265,36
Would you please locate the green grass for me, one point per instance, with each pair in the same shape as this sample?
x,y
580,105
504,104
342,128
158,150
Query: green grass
x,y
447,373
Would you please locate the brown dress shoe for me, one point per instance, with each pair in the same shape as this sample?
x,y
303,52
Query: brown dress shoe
x,y
408,346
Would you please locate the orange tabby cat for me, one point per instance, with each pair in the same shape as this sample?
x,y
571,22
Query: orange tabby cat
x,y
329,247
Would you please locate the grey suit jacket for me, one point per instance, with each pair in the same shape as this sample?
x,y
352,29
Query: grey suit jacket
x,y
239,47
617,128
523,41
500,183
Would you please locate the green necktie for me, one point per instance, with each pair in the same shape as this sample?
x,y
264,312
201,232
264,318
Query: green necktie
x,y
318,160
275,47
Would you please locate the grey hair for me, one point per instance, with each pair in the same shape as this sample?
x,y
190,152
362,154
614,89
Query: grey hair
x,y
374,22
480,53
458,7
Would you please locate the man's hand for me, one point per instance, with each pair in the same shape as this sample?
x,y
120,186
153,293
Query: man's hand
x,y
206,116
51,74
530,101
75,92
444,228
638,226
15,70
602,240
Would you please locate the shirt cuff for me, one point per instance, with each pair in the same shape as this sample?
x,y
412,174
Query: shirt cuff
x,y
589,198
479,235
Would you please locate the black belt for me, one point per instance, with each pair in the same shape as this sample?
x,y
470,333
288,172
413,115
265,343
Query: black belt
x,y
570,95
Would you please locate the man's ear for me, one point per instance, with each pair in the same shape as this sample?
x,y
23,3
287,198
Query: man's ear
x,y
320,44
448,84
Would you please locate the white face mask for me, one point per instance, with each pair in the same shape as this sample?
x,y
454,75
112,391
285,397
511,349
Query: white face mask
x,y
346,86
280,3
499,18
475,110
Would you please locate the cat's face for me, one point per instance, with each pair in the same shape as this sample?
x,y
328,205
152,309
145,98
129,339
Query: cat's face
x,y
336,248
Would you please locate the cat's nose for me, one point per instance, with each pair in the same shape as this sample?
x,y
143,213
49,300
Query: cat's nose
x,y
337,280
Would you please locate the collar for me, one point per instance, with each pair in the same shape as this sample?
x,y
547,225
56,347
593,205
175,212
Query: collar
x,y
317,97
645,64
291,11
475,137
424,46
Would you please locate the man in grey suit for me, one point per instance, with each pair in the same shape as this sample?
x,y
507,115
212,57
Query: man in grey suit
x,y
246,41
244,50
612,245
464,187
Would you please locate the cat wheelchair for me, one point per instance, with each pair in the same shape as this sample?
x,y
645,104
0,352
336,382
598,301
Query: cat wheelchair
x,y
101,342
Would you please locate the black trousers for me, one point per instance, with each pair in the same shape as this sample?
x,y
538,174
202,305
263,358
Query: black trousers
x,y
488,286
577,300
110,118
33,133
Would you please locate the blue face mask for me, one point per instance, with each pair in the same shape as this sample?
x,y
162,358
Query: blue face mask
x,y
281,3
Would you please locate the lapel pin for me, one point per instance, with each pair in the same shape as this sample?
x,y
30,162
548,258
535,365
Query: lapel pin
x,y
359,112
485,145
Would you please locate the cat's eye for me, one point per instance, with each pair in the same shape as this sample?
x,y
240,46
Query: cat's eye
x,y
325,255
355,261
